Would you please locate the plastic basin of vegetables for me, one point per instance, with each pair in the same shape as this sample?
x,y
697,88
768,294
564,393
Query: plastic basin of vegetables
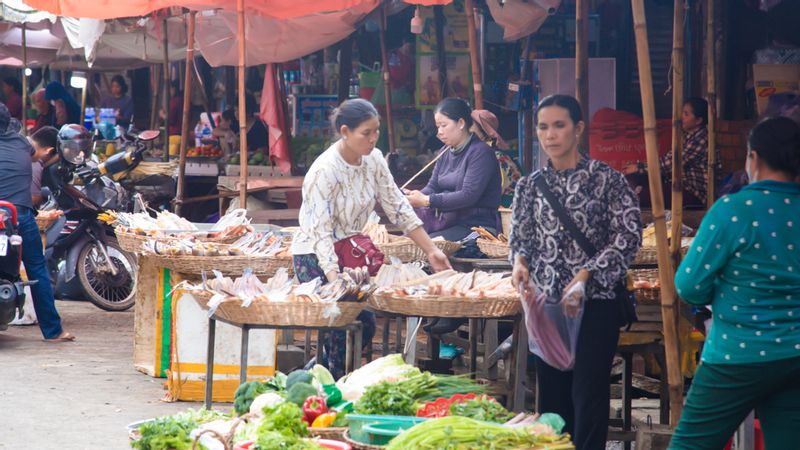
x,y
358,423
327,443
382,433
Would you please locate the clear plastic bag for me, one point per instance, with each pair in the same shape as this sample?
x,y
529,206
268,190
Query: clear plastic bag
x,y
554,324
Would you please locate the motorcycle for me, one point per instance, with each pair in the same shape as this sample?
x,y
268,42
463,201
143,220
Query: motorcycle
x,y
81,248
12,294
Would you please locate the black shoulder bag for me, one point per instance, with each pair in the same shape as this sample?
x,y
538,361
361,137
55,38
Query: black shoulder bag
x,y
624,297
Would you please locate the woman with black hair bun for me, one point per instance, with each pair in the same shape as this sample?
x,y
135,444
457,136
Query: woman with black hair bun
x,y
745,263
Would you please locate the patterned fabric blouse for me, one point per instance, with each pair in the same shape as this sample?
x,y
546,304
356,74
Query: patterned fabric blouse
x,y
695,164
603,206
338,199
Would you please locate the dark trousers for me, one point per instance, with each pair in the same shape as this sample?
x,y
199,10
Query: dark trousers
x,y
581,396
722,395
640,185
33,256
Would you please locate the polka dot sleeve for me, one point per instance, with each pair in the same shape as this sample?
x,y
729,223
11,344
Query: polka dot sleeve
x,y
711,251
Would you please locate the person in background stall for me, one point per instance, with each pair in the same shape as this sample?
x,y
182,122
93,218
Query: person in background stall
x,y
745,263
257,135
66,108
340,192
44,142
119,101
175,109
548,260
16,155
694,118
464,189
12,91
46,114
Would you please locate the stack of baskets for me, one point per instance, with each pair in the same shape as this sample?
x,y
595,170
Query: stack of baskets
x,y
132,243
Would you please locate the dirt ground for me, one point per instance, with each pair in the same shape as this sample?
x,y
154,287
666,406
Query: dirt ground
x,y
75,395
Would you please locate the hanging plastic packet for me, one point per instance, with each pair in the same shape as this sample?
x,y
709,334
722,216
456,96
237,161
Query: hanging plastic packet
x,y
244,287
552,334
214,303
308,288
331,312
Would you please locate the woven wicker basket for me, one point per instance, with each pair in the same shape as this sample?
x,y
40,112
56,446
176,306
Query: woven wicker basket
x,y
441,306
287,313
649,255
133,242
228,265
647,295
359,446
333,433
494,249
407,251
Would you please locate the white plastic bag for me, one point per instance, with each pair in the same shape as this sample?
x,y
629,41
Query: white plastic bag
x,y
552,333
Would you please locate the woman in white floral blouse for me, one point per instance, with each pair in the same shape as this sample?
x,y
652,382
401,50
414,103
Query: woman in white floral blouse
x,y
544,254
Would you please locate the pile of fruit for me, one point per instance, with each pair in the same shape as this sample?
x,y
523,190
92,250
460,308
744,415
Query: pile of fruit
x,y
206,151
258,158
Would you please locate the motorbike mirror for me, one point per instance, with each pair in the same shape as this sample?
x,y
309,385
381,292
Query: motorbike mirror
x,y
46,193
148,135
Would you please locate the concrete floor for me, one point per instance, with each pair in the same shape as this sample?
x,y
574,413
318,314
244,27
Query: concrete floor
x,y
75,395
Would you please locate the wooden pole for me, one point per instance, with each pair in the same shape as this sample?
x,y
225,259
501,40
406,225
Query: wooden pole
x,y
24,78
477,83
582,65
387,86
187,95
155,76
242,110
678,64
345,68
441,55
665,270
711,97
526,143
166,80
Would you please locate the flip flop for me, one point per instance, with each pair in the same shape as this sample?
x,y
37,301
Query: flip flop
x,y
64,337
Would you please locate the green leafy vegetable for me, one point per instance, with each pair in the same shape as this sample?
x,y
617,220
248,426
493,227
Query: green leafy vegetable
x,y
272,440
387,398
172,432
286,419
481,408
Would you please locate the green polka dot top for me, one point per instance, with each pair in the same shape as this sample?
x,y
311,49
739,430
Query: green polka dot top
x,y
745,263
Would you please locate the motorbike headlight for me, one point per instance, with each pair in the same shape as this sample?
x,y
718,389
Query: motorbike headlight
x,y
74,152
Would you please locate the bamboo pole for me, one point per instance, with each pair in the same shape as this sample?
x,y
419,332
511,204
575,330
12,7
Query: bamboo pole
x,y
711,97
187,95
477,83
166,80
155,75
24,78
665,270
387,87
678,64
242,110
582,64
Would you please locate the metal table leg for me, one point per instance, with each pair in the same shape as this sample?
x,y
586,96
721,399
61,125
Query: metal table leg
x,y
473,347
387,323
357,345
320,342
520,365
212,330
307,347
411,324
349,349
489,346
244,354
398,339
627,388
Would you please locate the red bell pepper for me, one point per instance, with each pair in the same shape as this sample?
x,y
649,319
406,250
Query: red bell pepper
x,y
313,407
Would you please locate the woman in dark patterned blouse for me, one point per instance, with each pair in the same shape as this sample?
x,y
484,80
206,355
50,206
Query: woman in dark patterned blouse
x,y
544,254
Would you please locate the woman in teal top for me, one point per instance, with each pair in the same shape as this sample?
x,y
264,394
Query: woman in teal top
x,y
745,263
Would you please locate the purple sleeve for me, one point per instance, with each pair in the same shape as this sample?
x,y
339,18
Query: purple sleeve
x,y
480,167
433,183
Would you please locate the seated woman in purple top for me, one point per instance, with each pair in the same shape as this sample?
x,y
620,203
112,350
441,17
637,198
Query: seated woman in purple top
x,y
465,188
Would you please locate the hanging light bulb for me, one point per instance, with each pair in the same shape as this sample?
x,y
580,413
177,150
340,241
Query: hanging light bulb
x,y
416,23
28,72
78,80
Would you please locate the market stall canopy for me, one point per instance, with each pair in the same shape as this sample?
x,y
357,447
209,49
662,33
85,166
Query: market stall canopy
x,y
271,40
111,9
19,12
